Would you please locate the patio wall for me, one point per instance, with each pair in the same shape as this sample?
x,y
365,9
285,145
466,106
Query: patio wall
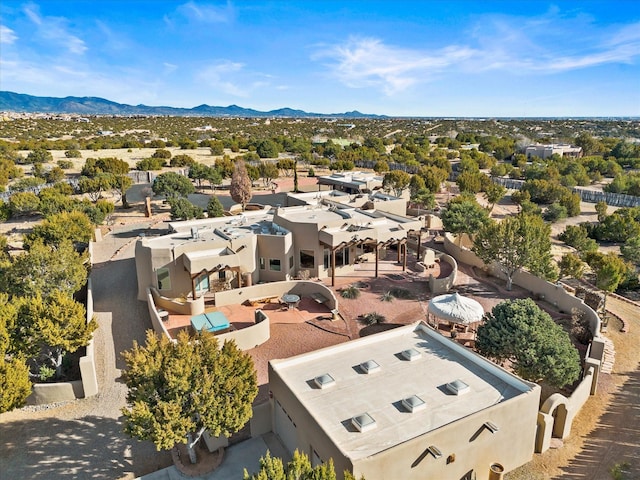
x,y
250,337
186,307
303,288
557,413
156,321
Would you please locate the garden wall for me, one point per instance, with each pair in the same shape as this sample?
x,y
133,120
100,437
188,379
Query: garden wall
x,y
303,288
250,337
557,413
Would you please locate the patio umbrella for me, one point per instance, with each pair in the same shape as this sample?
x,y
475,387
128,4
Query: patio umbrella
x,y
456,309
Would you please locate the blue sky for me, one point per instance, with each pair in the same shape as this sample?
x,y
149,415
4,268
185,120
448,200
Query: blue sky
x,y
406,58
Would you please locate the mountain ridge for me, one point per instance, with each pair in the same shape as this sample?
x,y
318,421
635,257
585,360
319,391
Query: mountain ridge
x,y
24,103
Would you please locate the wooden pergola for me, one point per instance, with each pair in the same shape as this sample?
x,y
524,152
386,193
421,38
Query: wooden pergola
x,y
219,268
401,243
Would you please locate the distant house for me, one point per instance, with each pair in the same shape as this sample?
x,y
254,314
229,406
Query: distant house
x,y
545,151
407,404
352,182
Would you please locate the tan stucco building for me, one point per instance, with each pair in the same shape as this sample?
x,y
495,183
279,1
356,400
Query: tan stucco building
x,y
273,244
408,403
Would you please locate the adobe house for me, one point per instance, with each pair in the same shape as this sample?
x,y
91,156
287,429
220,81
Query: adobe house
x,y
266,245
407,403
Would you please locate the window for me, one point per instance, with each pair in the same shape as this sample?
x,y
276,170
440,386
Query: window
x,y
307,259
202,283
262,267
290,262
274,264
164,279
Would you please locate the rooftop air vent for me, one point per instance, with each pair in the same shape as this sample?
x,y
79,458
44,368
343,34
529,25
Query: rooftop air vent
x,y
370,366
324,381
411,354
363,422
413,403
458,387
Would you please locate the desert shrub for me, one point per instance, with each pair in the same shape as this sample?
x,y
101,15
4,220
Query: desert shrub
x,y
65,164
387,297
372,318
399,292
351,292
150,164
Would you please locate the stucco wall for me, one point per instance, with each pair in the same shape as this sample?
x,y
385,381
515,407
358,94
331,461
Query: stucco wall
x,y
250,337
466,442
303,288
186,307
156,321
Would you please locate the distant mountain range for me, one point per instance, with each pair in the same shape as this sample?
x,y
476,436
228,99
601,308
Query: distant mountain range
x,y
18,102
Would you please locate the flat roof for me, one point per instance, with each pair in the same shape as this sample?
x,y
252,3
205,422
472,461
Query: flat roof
x,y
380,393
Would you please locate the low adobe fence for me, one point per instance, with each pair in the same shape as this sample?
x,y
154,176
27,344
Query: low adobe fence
x,y
557,412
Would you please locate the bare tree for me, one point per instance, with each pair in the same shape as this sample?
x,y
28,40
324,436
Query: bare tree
x,y
240,185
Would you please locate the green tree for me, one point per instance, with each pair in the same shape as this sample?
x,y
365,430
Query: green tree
x,y
74,226
463,214
267,149
113,165
396,180
23,203
493,194
520,332
54,175
571,266
268,172
178,390
199,172
95,186
416,184
161,153
15,385
181,160
215,208
518,242
183,209
39,155
171,184
299,468
631,250
120,185
240,185
216,147
44,269
73,153
61,326
555,212
576,236
610,271
381,166
601,210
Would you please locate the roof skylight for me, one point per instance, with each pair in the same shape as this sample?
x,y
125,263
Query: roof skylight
x,y
458,387
413,403
411,354
324,381
370,366
363,422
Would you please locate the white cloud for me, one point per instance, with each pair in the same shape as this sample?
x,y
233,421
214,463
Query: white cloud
x,y
546,44
54,29
365,62
232,78
7,36
169,68
207,13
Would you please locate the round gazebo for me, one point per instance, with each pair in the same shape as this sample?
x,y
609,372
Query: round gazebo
x,y
454,308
